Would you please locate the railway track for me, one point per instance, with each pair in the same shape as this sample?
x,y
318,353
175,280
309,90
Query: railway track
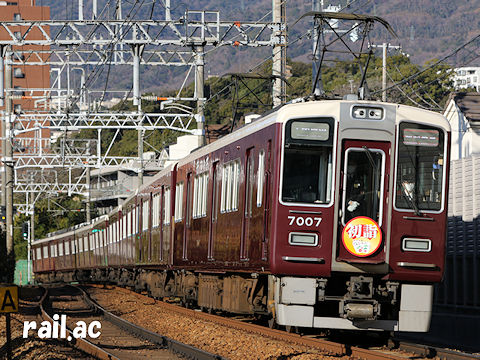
x,y
398,350
33,347
119,339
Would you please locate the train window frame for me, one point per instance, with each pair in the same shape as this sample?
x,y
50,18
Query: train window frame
x,y
166,207
260,177
331,142
145,214
156,210
230,186
200,190
382,182
445,161
179,201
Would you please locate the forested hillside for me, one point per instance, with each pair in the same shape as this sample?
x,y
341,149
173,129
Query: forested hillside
x,y
426,29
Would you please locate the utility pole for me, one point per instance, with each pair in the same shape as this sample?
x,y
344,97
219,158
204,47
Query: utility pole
x,y
199,91
279,54
8,163
384,48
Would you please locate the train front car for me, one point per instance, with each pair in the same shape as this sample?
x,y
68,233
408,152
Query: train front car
x,y
359,219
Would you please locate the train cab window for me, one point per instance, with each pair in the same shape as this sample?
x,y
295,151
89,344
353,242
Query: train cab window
x,y
363,179
420,170
308,161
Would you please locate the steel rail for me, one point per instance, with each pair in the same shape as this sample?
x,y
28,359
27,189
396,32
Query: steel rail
x,y
433,351
175,346
81,344
321,344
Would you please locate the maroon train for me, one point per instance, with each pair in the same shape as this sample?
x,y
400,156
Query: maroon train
x,y
326,214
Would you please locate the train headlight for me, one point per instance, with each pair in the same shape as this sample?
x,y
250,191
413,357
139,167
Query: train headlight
x,y
412,244
303,239
370,113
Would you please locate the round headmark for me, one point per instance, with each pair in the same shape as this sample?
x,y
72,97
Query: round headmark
x,y
361,236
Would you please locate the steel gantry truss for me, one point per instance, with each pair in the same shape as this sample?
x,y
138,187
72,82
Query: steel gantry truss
x,y
194,28
67,44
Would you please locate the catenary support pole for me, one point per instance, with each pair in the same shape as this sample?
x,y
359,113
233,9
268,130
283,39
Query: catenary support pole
x,y
2,103
138,102
279,54
8,160
31,236
199,91
316,6
384,72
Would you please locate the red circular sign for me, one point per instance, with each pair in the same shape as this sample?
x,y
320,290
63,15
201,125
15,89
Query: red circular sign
x,y
361,236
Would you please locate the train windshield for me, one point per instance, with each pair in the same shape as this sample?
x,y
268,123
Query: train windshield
x,y
419,182
363,172
307,166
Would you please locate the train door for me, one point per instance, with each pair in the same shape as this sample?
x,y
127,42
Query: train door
x,y
188,216
363,219
247,204
213,210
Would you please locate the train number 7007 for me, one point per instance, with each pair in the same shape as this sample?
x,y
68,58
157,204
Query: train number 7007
x,y
308,221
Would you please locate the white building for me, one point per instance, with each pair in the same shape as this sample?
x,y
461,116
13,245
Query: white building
x,y
466,77
463,113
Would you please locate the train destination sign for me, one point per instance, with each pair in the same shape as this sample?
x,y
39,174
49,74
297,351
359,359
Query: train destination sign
x,y
420,137
362,236
302,130
8,299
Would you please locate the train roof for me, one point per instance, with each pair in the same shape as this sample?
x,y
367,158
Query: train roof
x,y
314,109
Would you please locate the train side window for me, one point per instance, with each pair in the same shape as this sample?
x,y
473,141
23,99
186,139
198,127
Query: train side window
x,y
67,247
156,210
145,214
178,202
39,253
60,249
200,195
52,251
124,227
85,243
230,180
45,252
166,207
74,250
129,224
260,177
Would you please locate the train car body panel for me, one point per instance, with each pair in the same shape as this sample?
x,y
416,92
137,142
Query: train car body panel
x,y
327,214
